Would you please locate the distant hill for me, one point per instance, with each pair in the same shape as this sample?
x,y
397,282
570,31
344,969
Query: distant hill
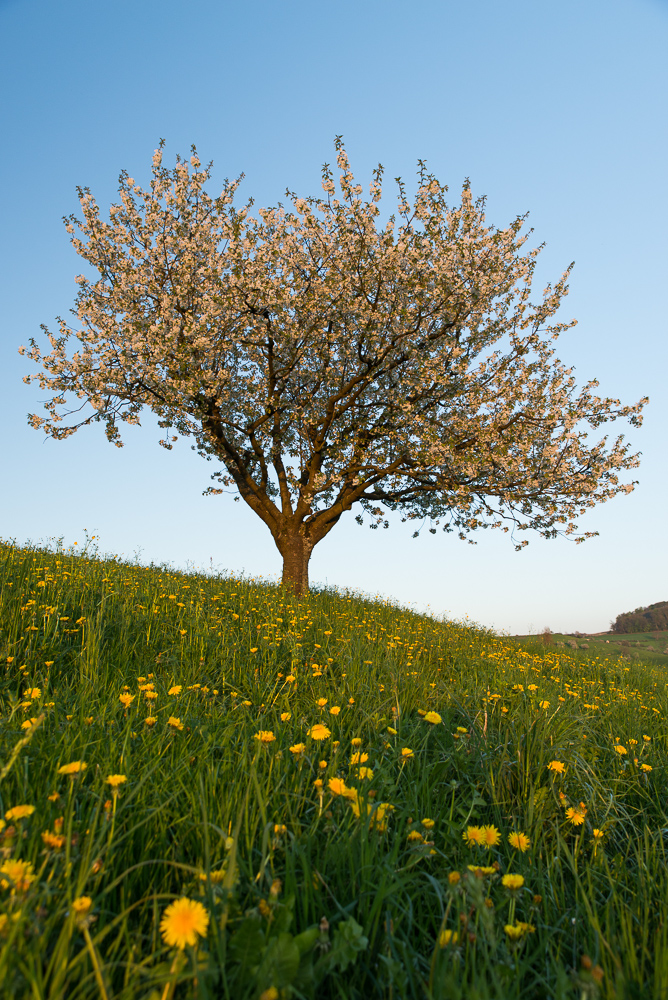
x,y
653,618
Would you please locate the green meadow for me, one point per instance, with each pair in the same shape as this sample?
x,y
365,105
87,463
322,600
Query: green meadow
x,y
331,797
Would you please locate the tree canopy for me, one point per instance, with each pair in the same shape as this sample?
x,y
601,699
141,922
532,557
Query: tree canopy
x,y
653,618
326,358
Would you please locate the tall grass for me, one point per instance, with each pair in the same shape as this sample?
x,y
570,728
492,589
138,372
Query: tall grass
x,y
311,893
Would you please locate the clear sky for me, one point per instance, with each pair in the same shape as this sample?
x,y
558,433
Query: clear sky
x,y
558,109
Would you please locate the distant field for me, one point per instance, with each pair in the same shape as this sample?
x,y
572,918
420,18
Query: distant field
x,y
649,646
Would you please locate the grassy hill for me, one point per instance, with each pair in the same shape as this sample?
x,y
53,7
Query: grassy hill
x,y
345,799
651,647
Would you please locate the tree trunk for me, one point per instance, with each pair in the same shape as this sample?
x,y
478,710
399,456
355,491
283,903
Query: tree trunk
x,y
296,552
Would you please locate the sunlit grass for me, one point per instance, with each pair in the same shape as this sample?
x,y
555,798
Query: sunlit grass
x,y
343,869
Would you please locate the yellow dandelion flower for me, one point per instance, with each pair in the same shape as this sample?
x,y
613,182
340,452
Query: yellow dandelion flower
x,y
473,835
126,699
29,723
298,749
319,732
576,816
115,780
358,758
19,812
76,767
337,786
407,753
519,841
265,736
175,689
150,720
33,693
321,702
454,878
597,835
335,710
543,704
556,766
365,772
491,836
391,731
82,905
428,824
512,882
175,723
356,741
518,930
621,750
447,937
481,870
433,717
646,768
19,875
286,716
183,922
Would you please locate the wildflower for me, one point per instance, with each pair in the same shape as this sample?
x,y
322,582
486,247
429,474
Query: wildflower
x,y
646,768
447,937
150,720
183,922
415,836
428,824
576,816
356,742
126,699
454,878
335,709
473,835
18,872
175,724
365,772
480,870
519,841
76,767
82,905
53,840
280,829
532,687
337,786
151,695
175,689
322,764
115,780
19,812
556,766
321,702
512,882
433,717
29,723
286,716
265,736
621,750
298,749
33,693
319,732
358,758
544,704
517,931
290,679
391,731
318,783
407,753
491,836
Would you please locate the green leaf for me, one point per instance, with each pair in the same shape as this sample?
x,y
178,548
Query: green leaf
x,y
247,943
348,942
280,962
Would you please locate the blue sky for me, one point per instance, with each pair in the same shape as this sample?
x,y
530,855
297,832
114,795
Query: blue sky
x,y
556,109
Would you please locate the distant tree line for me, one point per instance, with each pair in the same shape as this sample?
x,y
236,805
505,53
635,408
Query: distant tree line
x,y
653,618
